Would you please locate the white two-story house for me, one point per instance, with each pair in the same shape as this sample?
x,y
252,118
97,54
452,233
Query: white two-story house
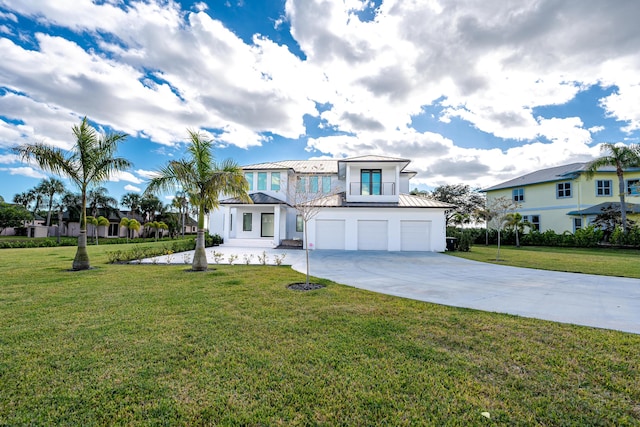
x,y
361,203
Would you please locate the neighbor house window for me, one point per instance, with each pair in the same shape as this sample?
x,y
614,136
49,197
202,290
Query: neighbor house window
x,y
313,184
275,181
326,184
518,194
533,221
577,224
114,230
563,190
301,185
299,224
633,186
370,182
603,187
262,181
247,220
249,177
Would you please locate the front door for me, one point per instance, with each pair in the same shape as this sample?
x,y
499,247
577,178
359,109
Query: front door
x,y
267,225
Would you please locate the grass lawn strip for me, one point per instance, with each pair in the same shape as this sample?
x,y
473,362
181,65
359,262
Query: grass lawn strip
x,y
155,345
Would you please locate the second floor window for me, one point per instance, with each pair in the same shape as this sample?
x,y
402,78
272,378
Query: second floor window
x,y
313,184
370,182
249,177
563,190
603,187
262,181
301,185
518,194
326,184
275,181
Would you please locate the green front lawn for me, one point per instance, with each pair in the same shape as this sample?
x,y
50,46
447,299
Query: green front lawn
x,y
605,262
158,345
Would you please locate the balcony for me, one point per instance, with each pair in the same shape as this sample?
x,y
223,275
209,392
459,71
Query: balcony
x,y
382,189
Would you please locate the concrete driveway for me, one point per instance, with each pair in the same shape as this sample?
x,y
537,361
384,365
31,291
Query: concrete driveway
x,y
581,299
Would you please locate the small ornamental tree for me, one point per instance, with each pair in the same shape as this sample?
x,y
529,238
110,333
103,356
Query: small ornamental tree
x,y
498,211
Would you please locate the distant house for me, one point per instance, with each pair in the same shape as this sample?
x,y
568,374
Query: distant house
x,y
563,199
363,204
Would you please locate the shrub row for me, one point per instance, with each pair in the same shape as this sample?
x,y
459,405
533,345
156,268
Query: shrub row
x,y
139,252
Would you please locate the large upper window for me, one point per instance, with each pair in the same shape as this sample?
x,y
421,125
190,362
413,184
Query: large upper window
x,y
301,185
249,177
563,190
518,194
326,184
633,186
275,181
603,187
370,182
262,181
313,184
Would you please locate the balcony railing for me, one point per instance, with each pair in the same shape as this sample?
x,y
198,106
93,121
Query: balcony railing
x,y
384,189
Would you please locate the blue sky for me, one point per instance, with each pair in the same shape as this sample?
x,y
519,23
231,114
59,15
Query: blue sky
x,y
472,92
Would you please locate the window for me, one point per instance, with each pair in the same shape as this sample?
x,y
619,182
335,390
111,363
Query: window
x,y
299,224
249,177
326,184
114,230
633,186
370,180
275,181
247,220
230,222
262,181
603,187
533,221
301,185
313,184
563,190
518,194
577,224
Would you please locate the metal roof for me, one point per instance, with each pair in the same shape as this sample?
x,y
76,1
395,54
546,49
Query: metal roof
x,y
404,201
597,209
256,198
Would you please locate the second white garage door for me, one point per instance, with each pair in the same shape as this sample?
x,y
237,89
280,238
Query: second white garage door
x,y
373,235
329,234
415,235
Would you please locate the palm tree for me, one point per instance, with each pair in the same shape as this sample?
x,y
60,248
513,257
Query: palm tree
x,y
130,224
514,220
25,199
204,181
621,157
132,201
97,223
50,187
91,161
97,198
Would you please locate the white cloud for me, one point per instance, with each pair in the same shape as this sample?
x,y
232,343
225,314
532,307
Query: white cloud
x,y
132,188
125,176
147,174
25,171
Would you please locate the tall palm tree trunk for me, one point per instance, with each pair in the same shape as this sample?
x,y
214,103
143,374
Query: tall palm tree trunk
x,y
81,261
623,203
200,255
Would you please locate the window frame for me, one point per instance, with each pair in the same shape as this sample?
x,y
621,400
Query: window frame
x,y
275,181
601,188
249,177
517,194
635,183
247,225
566,188
262,181
370,184
534,225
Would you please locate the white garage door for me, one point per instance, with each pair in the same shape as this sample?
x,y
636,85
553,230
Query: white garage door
x,y
415,235
329,234
373,235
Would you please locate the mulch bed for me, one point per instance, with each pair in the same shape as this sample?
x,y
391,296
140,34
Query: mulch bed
x,y
305,287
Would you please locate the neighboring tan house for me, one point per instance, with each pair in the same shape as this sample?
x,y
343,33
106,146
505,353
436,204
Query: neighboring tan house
x,y
563,199
362,204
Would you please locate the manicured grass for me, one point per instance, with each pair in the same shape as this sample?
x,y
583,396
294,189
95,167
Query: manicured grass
x,y
605,262
158,345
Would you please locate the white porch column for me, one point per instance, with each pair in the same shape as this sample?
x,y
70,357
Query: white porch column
x,y
227,223
276,225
